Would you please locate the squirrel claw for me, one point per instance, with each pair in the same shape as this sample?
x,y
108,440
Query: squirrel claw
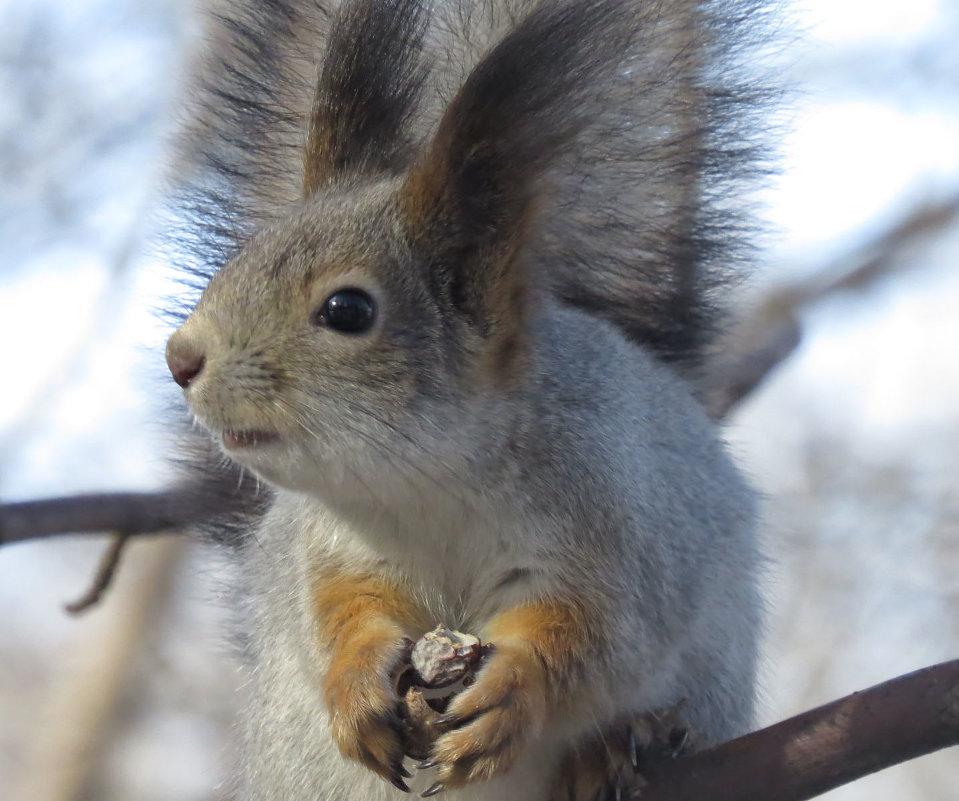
x,y
679,738
633,748
433,789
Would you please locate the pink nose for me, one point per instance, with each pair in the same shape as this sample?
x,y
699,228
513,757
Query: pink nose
x,y
184,360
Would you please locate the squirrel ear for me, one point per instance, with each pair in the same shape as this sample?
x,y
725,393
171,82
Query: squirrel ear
x,y
468,201
367,90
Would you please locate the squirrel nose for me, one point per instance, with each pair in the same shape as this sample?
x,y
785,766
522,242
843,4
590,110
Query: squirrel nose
x,y
185,361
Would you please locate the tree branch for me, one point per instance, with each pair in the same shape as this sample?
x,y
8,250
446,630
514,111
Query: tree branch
x,y
122,512
767,337
107,569
809,754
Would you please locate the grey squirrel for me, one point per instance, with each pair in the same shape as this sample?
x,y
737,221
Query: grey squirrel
x,y
463,261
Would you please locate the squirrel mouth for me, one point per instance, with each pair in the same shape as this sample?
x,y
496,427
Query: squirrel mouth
x,y
233,439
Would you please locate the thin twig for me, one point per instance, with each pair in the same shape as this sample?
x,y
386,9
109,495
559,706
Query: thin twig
x,y
765,339
104,575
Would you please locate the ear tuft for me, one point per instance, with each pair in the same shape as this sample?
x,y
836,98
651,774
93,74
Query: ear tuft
x,y
467,203
368,88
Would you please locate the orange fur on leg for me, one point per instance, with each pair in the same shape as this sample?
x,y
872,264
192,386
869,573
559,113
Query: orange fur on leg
x,y
363,621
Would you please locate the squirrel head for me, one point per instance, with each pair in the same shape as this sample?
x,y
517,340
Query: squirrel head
x,y
333,337
356,328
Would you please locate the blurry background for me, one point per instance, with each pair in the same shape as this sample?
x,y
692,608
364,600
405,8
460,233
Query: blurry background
x,y
854,440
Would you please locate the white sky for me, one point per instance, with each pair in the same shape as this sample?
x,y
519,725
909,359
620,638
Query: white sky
x,y
846,22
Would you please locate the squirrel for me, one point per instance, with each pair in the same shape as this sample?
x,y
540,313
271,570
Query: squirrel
x,y
462,263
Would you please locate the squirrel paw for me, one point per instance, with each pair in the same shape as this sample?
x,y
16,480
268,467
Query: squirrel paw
x,y
602,768
364,714
609,766
487,724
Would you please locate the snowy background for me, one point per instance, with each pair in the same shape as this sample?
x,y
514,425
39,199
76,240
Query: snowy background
x,y
855,440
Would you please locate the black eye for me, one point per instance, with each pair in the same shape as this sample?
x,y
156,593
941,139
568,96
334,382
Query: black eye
x,y
349,311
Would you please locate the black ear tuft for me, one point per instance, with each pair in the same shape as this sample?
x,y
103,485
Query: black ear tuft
x,y
471,195
367,90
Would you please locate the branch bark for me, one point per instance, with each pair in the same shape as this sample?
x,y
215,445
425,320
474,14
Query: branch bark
x,y
814,752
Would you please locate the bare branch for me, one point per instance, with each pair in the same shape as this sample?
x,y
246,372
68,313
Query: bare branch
x,y
758,345
765,339
824,748
123,512
881,256
104,576
71,728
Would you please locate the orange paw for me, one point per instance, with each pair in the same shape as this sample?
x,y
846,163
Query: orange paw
x,y
364,711
489,722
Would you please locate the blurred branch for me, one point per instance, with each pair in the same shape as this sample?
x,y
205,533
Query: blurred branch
x,y
106,570
129,513
756,347
814,752
881,256
766,338
74,724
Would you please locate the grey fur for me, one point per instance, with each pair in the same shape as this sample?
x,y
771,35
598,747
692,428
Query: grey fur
x,y
510,414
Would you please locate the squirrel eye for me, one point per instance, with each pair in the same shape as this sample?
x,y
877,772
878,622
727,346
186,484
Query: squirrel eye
x,y
349,311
